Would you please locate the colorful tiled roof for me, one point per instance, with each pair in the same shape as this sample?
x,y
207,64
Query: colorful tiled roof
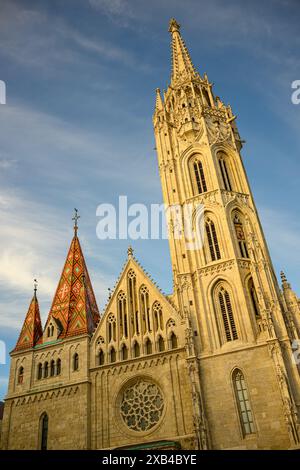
x,y
74,304
32,327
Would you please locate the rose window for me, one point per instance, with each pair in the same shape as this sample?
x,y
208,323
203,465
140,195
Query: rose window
x,y
142,405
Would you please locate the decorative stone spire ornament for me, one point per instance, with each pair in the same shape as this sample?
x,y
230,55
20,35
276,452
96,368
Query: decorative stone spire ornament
x,y
284,281
182,65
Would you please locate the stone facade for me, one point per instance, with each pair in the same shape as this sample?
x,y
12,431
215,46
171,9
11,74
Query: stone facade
x,y
208,367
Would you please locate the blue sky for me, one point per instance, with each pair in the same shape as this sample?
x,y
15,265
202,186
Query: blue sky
x,y
77,128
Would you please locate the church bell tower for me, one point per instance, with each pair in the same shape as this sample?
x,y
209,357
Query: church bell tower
x,y
227,284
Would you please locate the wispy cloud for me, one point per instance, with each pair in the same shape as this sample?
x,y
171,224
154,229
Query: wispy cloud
x,y
44,40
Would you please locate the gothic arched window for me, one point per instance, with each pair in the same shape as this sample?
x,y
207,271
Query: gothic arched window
x,y
136,349
253,297
145,309
173,341
124,352
113,355
101,357
40,371
161,344
227,314
158,316
224,171
44,423
122,314
58,367
52,368
243,403
46,369
111,324
75,361
240,236
132,302
21,375
198,178
212,240
148,346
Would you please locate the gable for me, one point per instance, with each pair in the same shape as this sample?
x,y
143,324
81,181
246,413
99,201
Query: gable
x,y
137,314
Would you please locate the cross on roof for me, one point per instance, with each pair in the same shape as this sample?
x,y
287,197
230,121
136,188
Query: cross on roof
x,y
75,218
35,284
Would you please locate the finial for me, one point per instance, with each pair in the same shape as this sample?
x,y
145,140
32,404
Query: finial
x,y
283,276
75,218
284,281
130,251
173,25
35,285
158,101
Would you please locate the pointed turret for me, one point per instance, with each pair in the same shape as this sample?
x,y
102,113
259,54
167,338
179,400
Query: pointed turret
x,y
182,65
285,284
32,327
158,101
74,306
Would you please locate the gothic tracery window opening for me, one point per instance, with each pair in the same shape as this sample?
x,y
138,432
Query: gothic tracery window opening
x,y
52,368
122,314
124,352
199,176
44,431
225,174
227,315
40,371
212,239
142,405
58,367
243,403
113,355
148,346
173,341
101,357
240,235
75,362
21,375
112,335
253,298
145,309
132,302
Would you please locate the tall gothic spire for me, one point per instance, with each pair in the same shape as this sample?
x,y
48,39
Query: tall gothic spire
x,y
182,65
32,326
74,304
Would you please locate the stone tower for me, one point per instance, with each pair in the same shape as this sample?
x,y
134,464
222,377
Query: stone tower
x,y
243,325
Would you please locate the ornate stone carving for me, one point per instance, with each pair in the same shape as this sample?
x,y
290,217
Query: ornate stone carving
x,y
216,268
217,129
142,405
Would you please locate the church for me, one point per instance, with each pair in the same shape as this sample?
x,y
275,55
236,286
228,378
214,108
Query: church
x,y
210,366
